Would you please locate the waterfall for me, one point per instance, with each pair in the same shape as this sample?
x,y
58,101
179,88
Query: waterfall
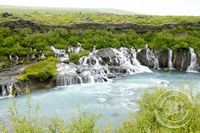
x,y
73,49
13,60
193,61
151,57
95,68
6,90
60,53
42,56
170,64
129,60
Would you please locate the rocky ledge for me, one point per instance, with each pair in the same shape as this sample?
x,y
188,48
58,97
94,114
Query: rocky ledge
x,y
35,26
103,65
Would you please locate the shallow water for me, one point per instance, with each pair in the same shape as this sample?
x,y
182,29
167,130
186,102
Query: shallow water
x,y
113,100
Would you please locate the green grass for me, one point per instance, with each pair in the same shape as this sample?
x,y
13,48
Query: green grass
x,y
56,16
146,120
42,70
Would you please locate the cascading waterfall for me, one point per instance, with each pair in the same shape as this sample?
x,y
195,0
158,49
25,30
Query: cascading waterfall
x,y
13,60
60,53
129,60
193,61
170,64
93,68
151,57
6,90
73,49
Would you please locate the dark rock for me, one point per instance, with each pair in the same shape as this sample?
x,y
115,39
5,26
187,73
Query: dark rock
x,y
106,54
142,58
20,23
78,71
163,58
181,59
91,61
111,76
6,14
118,69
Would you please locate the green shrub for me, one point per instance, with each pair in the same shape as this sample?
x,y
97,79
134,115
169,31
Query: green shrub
x,y
19,43
33,123
41,70
74,57
146,120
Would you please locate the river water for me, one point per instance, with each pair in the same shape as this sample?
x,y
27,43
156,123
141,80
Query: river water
x,y
114,100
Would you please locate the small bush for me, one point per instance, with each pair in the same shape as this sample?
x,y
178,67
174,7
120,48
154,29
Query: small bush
x,y
74,57
41,70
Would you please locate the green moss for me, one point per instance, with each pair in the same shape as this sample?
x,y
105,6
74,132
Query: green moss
x,y
66,17
74,57
41,70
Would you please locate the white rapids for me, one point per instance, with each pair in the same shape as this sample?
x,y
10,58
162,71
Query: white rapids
x,y
193,61
92,68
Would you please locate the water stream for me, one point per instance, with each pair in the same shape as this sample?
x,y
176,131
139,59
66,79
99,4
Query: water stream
x,y
113,99
170,64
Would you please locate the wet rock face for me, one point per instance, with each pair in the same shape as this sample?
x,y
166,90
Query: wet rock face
x,y
108,56
118,69
181,59
162,58
8,82
141,57
147,58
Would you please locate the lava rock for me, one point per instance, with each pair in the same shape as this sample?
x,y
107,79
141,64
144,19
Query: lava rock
x,y
106,54
118,69
142,58
162,58
6,14
181,59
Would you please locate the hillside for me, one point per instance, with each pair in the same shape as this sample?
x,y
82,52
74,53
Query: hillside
x,y
25,28
59,16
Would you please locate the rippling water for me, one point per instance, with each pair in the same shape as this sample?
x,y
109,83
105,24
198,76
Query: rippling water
x,y
113,100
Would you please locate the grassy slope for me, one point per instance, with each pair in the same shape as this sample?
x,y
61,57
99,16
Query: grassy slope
x,y
62,16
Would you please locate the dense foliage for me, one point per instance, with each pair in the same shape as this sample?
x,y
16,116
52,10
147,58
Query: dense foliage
x,y
147,121
20,42
143,121
41,70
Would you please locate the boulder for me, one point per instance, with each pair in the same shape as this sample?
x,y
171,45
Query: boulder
x,y
144,56
107,56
